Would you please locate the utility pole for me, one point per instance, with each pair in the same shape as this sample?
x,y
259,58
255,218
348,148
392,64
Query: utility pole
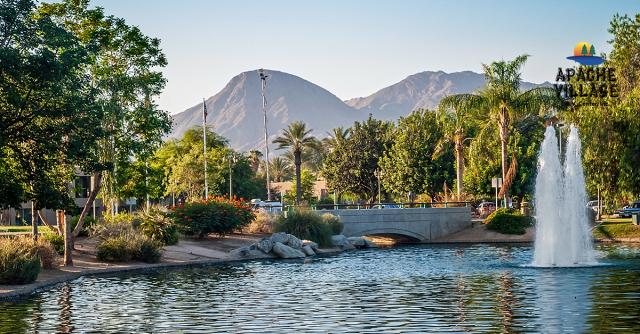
x,y
204,145
263,79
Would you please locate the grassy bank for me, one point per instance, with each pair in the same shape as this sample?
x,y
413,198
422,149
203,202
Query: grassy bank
x,y
617,229
21,229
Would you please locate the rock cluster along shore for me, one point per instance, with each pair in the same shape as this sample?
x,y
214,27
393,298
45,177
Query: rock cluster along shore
x,y
288,246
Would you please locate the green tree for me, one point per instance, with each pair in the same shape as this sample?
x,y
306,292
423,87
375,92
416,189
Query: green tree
x,y
457,118
504,103
351,166
296,138
308,180
124,72
409,165
280,169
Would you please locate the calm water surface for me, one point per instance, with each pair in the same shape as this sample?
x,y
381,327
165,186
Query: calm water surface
x,y
479,289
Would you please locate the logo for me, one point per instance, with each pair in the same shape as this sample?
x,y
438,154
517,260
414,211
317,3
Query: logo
x,y
585,54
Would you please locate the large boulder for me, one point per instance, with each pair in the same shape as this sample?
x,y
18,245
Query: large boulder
x,y
308,251
294,242
265,245
341,242
280,237
358,242
250,252
286,252
311,244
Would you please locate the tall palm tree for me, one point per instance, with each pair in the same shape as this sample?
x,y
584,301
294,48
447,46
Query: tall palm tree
x,y
296,138
456,118
503,101
255,157
280,169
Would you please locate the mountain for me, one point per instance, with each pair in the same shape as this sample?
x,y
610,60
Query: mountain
x,y
236,111
420,90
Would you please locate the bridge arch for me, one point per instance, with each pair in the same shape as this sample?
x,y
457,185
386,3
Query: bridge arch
x,y
394,231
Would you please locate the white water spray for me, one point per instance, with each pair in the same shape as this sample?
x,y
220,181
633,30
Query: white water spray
x,y
563,237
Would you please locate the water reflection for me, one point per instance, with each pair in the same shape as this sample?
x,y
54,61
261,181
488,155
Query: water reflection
x,y
481,289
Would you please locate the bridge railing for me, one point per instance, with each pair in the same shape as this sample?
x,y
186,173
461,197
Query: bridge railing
x,y
369,206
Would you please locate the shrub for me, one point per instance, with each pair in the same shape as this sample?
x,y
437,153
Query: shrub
x,y
109,227
333,222
114,249
508,221
263,223
305,225
19,261
86,227
127,247
56,240
157,225
215,215
49,257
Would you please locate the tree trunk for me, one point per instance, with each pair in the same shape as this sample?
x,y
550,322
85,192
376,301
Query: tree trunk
x,y
34,221
97,177
503,147
68,238
459,166
297,155
57,230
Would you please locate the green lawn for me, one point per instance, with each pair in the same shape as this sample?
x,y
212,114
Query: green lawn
x,y
18,229
615,228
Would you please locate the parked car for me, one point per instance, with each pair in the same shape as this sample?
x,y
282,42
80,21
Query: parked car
x,y
593,205
386,206
271,206
627,211
486,208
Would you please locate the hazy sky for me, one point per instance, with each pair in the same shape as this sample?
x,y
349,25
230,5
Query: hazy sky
x,y
353,48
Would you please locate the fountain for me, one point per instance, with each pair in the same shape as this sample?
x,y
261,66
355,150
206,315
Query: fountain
x,y
563,237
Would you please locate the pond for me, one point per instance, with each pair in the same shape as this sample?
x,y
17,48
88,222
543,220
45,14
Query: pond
x,y
421,288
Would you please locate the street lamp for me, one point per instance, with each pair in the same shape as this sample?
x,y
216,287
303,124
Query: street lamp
x,y
263,79
378,174
232,160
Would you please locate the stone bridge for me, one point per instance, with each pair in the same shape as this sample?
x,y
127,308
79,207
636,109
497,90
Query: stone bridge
x,y
419,224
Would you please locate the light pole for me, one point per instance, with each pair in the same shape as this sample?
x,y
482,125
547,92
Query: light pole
x,y
232,160
378,173
263,79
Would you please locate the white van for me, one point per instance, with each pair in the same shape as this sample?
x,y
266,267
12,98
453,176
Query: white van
x,y
270,206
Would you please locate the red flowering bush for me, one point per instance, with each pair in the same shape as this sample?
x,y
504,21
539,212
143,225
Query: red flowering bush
x,y
215,215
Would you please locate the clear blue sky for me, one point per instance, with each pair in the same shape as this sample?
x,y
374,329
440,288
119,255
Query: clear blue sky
x,y
353,48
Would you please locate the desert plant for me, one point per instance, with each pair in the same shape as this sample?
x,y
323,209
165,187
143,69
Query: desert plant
x,y
130,246
305,225
49,255
110,227
56,240
333,222
19,261
263,223
114,249
215,215
146,249
508,221
157,225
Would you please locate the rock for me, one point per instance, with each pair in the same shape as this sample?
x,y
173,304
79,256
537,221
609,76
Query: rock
x,y
307,250
310,243
286,252
358,242
293,242
280,237
341,242
265,245
370,244
248,252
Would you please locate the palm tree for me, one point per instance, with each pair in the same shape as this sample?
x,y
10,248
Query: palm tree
x,y
280,169
255,157
296,138
456,118
336,137
503,101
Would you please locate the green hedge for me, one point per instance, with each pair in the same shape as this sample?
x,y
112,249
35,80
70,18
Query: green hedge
x,y
508,221
215,215
310,226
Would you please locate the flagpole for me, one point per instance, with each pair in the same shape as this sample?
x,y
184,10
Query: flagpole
x,y
204,145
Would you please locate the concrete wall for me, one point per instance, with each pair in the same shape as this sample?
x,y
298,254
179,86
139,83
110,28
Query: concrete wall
x,y
424,224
